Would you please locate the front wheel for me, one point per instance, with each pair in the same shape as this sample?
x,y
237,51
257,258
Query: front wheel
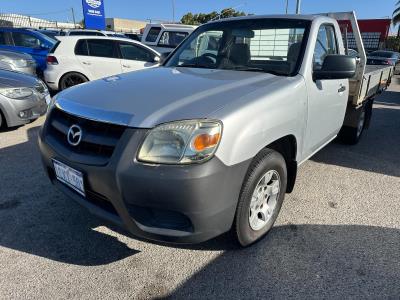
x,y
261,197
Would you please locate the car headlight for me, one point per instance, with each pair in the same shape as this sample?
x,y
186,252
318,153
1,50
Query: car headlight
x,y
16,93
181,142
18,63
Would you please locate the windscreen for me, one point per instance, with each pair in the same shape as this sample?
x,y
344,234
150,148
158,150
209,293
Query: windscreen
x,y
259,45
382,54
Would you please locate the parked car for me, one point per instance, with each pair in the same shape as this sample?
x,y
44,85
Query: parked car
x,y
77,59
17,61
89,32
23,98
383,57
165,37
53,34
28,41
211,141
134,36
80,32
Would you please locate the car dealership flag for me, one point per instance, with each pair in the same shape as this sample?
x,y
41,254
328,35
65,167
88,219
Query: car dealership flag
x,y
93,13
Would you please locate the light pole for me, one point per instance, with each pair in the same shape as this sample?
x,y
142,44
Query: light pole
x,y
173,11
298,6
287,6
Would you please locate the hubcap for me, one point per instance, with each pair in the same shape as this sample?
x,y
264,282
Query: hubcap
x,y
264,200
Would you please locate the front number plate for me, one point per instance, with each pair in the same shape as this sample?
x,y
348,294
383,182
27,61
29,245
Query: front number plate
x,y
69,176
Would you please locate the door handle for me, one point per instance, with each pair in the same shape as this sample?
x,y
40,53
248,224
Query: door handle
x,y
86,63
126,66
341,89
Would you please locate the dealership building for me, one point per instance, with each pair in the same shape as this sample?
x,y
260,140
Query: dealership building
x,y
125,25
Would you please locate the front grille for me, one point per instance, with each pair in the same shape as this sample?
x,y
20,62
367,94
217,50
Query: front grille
x,y
98,139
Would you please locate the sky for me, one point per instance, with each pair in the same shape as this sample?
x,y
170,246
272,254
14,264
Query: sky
x,y
162,9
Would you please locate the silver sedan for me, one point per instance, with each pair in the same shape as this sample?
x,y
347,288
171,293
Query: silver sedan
x,y
23,98
16,61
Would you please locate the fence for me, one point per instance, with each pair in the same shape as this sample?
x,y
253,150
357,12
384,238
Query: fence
x,y
15,20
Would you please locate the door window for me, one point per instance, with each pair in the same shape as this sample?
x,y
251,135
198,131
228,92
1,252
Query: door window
x,y
25,40
153,34
326,44
172,39
102,48
81,48
133,52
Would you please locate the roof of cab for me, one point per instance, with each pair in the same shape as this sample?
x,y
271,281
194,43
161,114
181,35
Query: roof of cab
x,y
289,16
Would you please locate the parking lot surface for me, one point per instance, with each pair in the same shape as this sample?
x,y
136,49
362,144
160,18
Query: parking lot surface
x,y
338,234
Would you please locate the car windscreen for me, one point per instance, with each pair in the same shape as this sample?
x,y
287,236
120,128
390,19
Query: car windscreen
x,y
260,45
383,54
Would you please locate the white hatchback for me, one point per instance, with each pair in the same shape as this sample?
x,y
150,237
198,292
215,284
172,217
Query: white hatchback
x,y
77,59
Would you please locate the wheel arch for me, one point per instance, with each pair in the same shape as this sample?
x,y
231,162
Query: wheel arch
x,y
287,147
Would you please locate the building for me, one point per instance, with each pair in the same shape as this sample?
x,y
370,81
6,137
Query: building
x,y
374,33
124,25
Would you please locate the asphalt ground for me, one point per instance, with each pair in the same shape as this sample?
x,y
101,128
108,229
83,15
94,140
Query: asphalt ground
x,y
338,234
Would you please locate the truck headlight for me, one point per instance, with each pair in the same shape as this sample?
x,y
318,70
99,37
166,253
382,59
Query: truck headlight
x,y
16,93
181,142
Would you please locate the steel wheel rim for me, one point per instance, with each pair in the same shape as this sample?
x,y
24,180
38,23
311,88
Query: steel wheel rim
x,y
264,200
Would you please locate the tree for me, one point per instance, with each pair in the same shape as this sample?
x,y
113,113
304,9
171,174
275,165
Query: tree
x,y
197,19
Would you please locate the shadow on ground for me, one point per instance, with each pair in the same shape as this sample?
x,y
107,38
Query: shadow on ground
x,y
36,219
307,261
379,149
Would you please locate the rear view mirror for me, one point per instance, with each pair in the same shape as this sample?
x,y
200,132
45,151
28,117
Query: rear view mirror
x,y
336,67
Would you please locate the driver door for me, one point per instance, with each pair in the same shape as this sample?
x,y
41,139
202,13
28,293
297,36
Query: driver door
x,y
327,98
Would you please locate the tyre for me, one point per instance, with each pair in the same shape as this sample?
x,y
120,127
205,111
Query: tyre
x,y
2,121
71,79
351,135
261,197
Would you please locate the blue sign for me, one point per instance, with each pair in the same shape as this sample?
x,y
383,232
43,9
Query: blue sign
x,y
93,13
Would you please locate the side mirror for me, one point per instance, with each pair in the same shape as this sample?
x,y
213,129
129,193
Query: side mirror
x,y
157,59
336,67
164,57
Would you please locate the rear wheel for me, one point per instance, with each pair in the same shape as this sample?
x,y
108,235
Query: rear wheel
x,y
352,135
72,79
261,198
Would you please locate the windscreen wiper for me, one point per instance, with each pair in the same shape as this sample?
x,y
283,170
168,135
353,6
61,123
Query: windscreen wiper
x,y
195,66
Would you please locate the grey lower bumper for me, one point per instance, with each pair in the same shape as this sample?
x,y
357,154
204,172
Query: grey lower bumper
x,y
181,204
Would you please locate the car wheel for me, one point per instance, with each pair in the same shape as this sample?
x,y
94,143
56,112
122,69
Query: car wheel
x,y
2,120
71,79
261,197
351,135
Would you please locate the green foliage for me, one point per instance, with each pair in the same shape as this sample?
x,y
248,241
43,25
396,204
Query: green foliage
x,y
393,43
197,19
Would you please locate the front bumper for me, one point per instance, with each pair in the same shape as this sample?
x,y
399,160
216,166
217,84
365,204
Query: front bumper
x,y
33,107
180,204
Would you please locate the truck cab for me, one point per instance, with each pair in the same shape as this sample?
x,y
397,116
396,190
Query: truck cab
x,y
165,37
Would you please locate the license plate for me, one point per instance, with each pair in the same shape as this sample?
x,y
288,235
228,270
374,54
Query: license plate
x,y
69,176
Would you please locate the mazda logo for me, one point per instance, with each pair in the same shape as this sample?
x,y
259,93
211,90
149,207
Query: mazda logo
x,y
74,135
